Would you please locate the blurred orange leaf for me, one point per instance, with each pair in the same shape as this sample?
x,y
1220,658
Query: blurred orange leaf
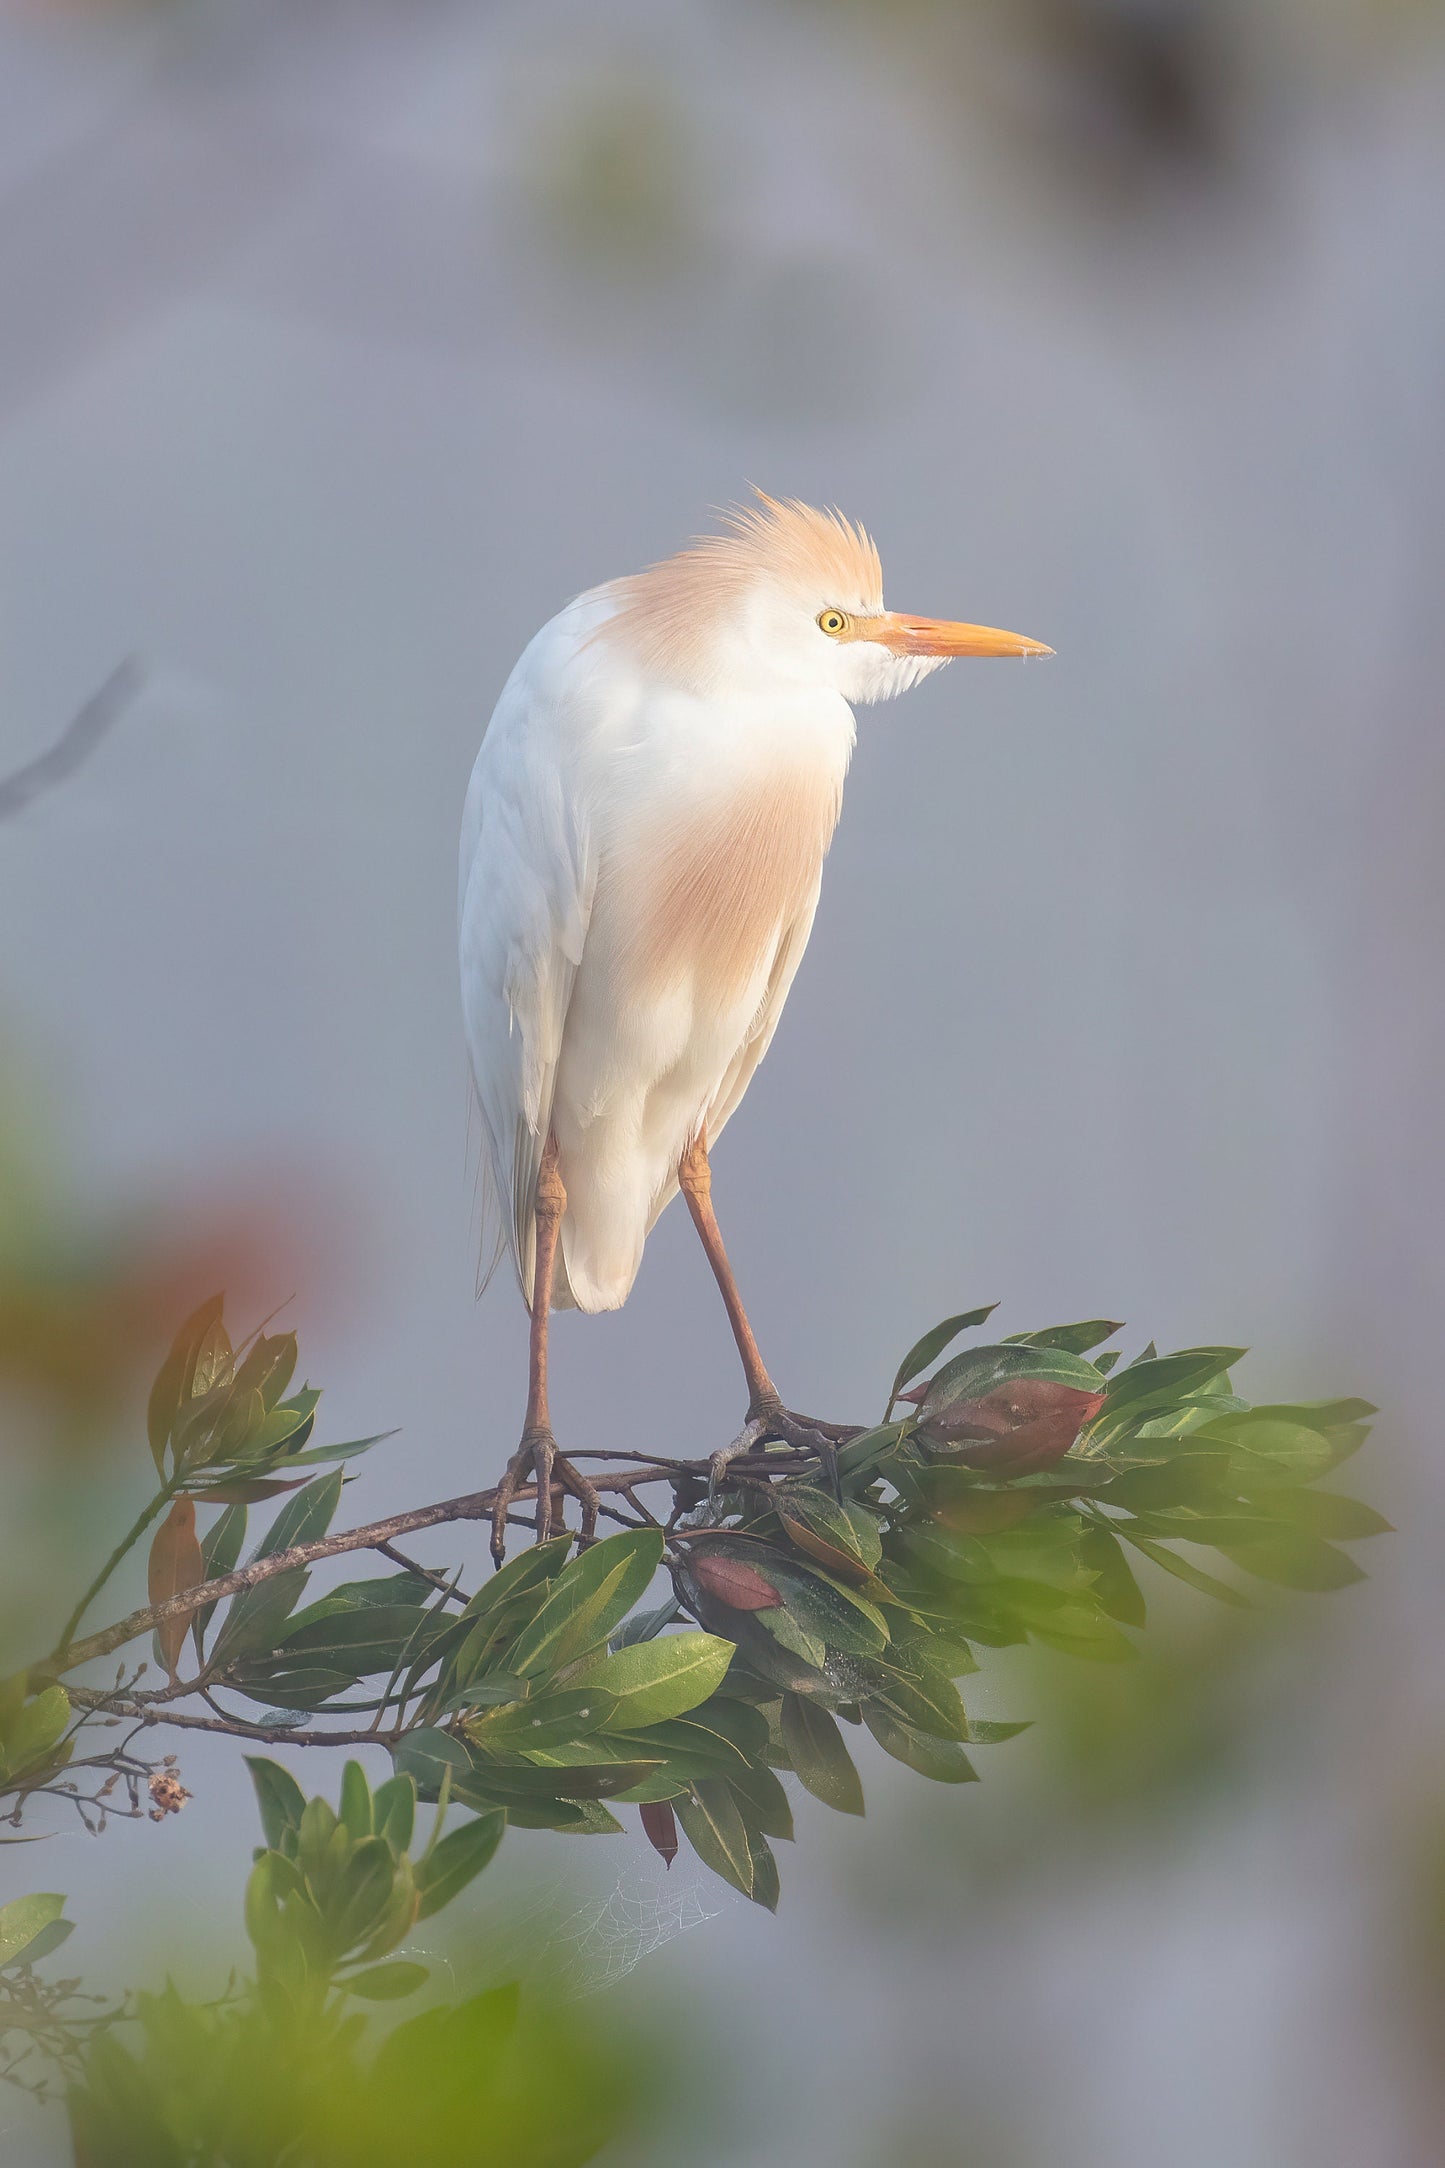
x,y
176,1564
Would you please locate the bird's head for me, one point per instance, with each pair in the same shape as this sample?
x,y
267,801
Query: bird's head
x,y
787,596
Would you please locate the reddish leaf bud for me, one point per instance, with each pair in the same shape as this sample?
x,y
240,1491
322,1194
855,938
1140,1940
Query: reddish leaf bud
x,y
1020,1427
734,1582
660,1823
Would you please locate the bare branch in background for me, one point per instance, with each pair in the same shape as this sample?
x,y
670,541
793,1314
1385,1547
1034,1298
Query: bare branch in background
x,y
76,744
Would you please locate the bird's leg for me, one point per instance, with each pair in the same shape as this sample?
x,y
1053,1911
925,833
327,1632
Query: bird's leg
x,y
537,1455
767,1417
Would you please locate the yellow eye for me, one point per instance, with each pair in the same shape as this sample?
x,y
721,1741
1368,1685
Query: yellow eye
x,y
833,622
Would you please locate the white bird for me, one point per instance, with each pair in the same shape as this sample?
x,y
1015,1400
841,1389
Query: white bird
x,y
641,854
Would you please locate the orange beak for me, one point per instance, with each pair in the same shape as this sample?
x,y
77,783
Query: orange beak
x,y
937,636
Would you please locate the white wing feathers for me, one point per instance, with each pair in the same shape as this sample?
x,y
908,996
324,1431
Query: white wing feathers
x,y
528,876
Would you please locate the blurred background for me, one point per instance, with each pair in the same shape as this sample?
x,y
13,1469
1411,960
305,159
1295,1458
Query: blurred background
x,y
339,345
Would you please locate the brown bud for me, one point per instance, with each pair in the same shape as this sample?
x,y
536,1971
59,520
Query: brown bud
x,y
734,1582
660,1823
1020,1427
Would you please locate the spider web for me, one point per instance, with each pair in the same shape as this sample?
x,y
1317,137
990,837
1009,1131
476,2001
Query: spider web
x,y
580,1948
609,1936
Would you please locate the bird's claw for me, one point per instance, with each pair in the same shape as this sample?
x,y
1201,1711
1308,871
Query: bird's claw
x,y
800,1431
753,1432
538,1458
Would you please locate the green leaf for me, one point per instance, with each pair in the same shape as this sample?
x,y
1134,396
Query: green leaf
x,y
219,1552
367,1639
942,1759
653,1680
457,1860
528,1570
387,1983
497,1783
793,1636
548,1720
393,1812
1326,1513
386,1592
591,1596
829,1610
819,1757
306,1515
176,1379
1293,1558
256,1615
1114,1583
279,1797
221,1426
267,1367
646,1625
578,1817
354,1810
49,1938
843,1539
1152,1381
765,1804
932,1345
351,1449
862,1453
22,1920
1074,1339
355,1906
929,1704
33,1734
426,1755
712,1821
1184,1571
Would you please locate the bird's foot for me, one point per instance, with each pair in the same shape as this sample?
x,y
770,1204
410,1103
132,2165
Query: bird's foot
x,y
538,1461
768,1420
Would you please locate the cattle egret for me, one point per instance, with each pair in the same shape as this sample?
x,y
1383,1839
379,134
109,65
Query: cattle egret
x,y
641,854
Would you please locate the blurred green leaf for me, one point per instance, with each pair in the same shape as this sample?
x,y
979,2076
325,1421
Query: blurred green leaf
x,y
457,1860
279,1797
22,1920
1100,1553
387,1983
176,1379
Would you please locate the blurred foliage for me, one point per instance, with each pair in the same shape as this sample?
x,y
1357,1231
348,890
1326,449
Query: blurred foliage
x,y
283,2069
1120,96
612,171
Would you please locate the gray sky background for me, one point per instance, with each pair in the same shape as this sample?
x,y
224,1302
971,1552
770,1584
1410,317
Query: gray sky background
x,y
337,348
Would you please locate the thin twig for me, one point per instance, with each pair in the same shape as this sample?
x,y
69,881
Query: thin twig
x,y
76,742
234,1727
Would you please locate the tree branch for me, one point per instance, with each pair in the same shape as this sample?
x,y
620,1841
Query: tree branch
x,y
472,1506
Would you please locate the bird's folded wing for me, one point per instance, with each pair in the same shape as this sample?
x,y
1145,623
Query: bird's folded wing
x,y
527,882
